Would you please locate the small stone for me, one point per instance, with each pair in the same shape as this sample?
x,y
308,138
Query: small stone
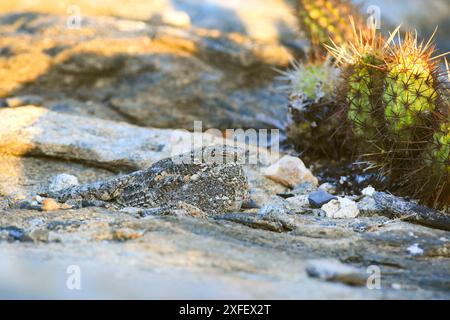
x,y
368,191
37,198
415,250
12,233
341,208
396,286
62,181
320,197
176,18
328,187
334,270
28,205
290,171
19,101
195,177
50,205
343,179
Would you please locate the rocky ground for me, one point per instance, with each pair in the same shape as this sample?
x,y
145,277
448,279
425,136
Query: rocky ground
x,y
109,98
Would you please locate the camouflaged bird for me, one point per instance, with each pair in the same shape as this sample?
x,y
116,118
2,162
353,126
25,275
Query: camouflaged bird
x,y
210,179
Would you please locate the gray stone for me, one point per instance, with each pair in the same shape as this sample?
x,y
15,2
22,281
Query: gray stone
x,y
320,197
27,204
12,233
62,181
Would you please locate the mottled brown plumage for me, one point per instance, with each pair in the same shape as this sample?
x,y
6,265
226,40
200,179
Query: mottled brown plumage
x,y
215,183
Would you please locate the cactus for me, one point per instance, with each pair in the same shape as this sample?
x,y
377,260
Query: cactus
x,y
395,101
416,112
363,73
410,87
440,150
311,91
310,82
327,19
389,98
436,161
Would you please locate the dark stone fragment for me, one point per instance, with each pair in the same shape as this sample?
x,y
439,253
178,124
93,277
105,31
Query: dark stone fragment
x,y
320,197
15,233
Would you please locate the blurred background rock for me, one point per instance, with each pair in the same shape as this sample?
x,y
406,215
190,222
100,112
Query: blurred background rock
x,y
268,19
416,14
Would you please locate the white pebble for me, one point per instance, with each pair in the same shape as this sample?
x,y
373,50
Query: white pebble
x,y
415,250
38,199
341,208
368,191
343,179
396,286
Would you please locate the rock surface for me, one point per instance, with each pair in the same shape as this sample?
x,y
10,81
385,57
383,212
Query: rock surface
x,y
152,75
165,250
188,257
